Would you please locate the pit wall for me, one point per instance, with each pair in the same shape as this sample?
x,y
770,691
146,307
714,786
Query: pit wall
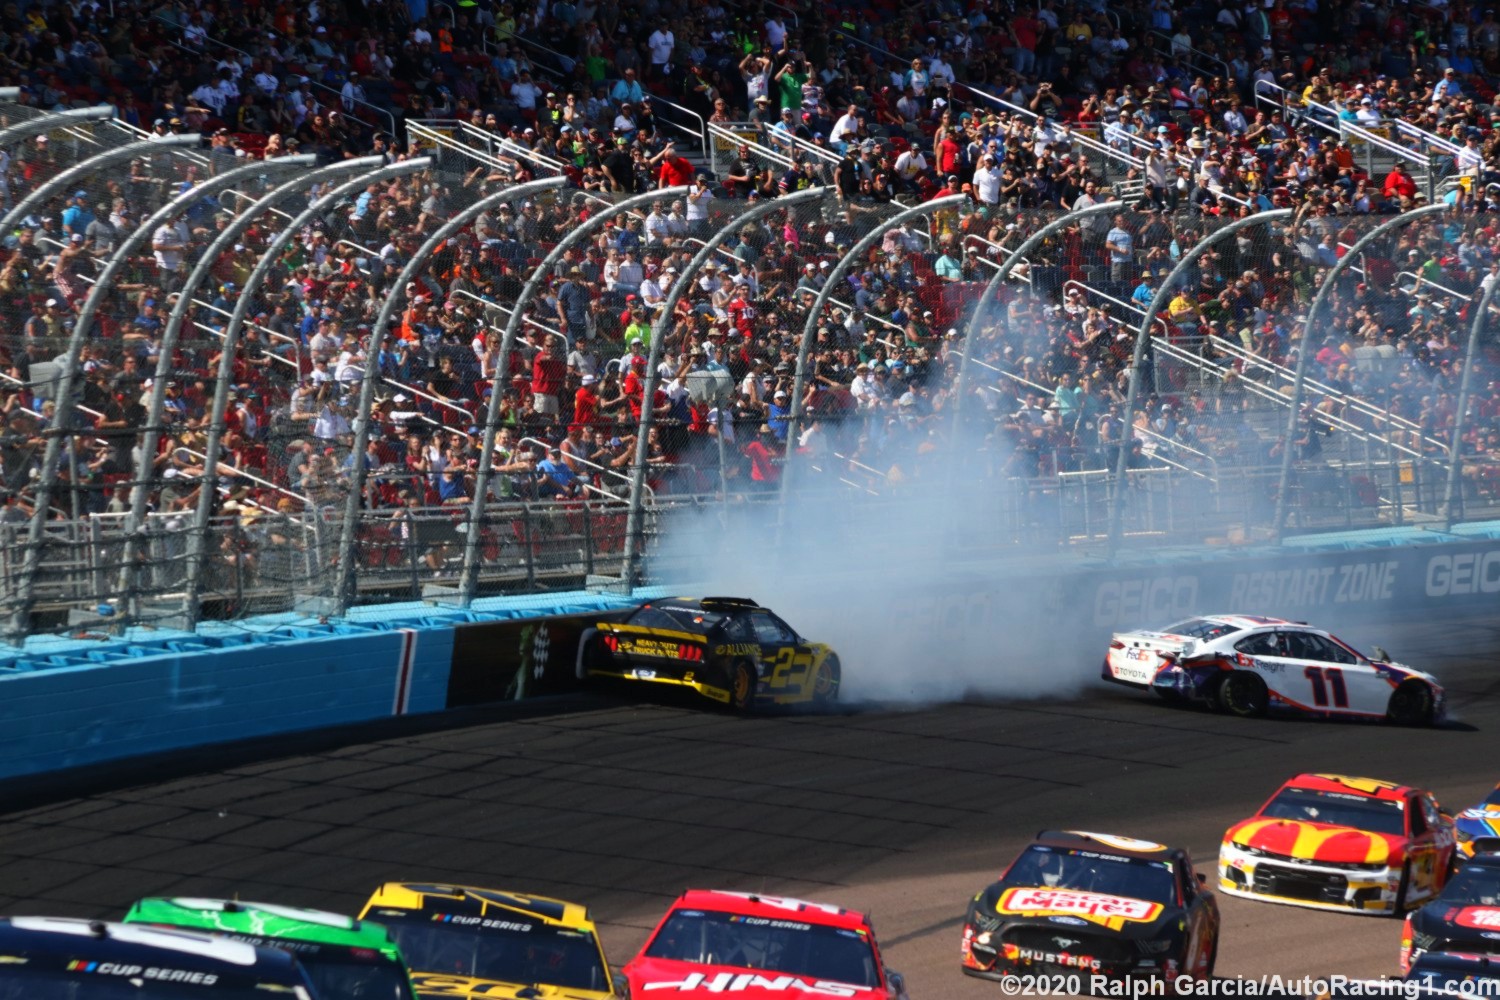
x,y
66,703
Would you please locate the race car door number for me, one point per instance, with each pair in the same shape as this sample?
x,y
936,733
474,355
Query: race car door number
x,y
790,663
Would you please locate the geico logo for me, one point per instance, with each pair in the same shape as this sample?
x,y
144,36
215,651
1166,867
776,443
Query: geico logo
x,y
1470,573
1058,958
732,982
1117,602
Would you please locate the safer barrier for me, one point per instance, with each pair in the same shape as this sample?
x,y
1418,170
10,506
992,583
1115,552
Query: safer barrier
x,y
70,703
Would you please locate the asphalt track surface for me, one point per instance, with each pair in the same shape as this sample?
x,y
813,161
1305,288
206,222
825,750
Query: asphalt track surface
x,y
903,813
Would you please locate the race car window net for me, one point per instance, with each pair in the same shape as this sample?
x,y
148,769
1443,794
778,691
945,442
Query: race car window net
x,y
1092,871
20,983
553,956
1338,809
1473,885
790,947
1201,629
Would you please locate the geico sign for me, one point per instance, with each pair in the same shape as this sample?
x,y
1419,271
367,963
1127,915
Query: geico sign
x,y
1470,573
1158,598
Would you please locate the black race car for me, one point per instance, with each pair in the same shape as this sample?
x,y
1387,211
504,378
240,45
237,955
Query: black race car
x,y
728,649
1455,974
1465,916
1094,904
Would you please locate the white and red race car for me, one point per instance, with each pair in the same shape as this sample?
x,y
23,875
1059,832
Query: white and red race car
x,y
746,944
1249,665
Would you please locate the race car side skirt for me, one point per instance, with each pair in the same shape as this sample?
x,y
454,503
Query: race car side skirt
x,y
1380,908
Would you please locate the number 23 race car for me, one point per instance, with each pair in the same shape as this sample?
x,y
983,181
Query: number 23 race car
x,y
728,649
1248,665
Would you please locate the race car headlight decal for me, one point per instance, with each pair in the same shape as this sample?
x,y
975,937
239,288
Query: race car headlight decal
x,y
1254,852
1155,947
982,921
1421,941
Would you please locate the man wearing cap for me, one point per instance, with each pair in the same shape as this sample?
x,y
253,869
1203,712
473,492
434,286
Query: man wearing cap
x,y
76,217
574,305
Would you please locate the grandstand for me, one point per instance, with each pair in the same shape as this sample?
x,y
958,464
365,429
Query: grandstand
x,y
260,322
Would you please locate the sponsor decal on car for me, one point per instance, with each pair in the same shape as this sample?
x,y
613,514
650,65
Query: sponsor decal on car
x,y
739,982
1484,918
1069,921
737,649
1097,907
159,974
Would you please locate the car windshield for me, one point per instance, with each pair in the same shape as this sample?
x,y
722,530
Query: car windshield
x,y
792,947
45,984
553,956
1338,809
1094,871
1201,629
1474,884
347,978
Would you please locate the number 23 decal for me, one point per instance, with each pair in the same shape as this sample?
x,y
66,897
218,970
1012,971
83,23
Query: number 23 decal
x,y
1326,681
790,662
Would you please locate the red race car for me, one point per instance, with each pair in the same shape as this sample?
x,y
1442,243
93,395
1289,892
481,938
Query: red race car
x,y
712,942
1339,843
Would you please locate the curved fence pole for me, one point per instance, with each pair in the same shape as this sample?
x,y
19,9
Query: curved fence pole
x,y
197,549
344,587
81,170
202,268
57,119
658,335
1300,372
593,224
986,301
65,387
815,316
1138,355
1451,494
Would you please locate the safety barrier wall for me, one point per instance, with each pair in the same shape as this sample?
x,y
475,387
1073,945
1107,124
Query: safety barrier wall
x,y
177,693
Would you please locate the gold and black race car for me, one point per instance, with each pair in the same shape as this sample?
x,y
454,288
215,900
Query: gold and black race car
x,y
729,649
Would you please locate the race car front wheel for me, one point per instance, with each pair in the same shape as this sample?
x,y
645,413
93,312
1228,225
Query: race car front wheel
x,y
1411,704
826,681
1242,694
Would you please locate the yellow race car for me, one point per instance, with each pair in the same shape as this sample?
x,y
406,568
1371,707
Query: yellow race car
x,y
465,942
728,649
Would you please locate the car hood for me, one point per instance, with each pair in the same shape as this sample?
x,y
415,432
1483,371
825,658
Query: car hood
x,y
433,984
1458,922
1126,915
1481,821
654,977
1322,842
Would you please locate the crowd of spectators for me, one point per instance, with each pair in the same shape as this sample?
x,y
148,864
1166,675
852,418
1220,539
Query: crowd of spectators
x,y
1030,111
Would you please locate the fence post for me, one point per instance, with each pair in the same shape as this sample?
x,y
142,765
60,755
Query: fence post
x,y
1453,492
1138,355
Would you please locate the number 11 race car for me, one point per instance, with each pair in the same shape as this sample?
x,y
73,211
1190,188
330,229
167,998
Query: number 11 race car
x,y
1247,665
728,649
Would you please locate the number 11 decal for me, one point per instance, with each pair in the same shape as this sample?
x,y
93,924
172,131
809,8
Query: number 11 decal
x,y
1326,680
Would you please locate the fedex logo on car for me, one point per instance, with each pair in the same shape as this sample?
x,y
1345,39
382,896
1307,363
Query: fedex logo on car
x,y
1097,906
740,982
1485,918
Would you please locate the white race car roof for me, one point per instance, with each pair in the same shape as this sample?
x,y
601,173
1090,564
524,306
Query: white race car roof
x,y
1250,621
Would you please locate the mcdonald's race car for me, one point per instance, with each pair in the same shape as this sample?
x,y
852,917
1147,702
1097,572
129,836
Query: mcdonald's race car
x,y
346,959
467,942
712,943
1097,905
1248,665
1478,828
1332,842
728,649
1465,917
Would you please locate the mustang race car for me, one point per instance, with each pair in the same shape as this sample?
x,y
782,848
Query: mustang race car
x,y
466,942
1336,843
1465,917
729,649
346,959
1094,904
1247,665
1479,828
712,943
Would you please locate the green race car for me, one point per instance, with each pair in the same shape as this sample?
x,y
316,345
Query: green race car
x,y
346,959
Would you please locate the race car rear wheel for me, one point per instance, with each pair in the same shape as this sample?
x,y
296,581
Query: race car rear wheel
x,y
1411,704
826,682
1242,694
742,681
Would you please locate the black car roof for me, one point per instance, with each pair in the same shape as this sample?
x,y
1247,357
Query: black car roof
x,y
1127,847
720,604
52,943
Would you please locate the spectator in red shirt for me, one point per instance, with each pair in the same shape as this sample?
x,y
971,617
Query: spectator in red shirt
x,y
764,457
676,170
548,372
1398,184
586,403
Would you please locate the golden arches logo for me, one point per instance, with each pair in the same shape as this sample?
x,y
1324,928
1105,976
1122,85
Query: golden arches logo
x,y
1370,786
1308,841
